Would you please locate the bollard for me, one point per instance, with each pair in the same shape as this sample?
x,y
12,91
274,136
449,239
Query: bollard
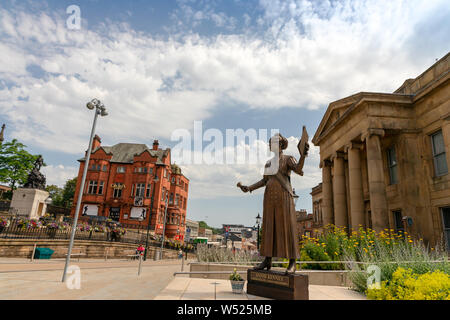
x,y
32,255
182,263
140,264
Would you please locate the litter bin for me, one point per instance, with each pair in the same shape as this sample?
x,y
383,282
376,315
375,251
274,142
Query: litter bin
x,y
43,253
157,255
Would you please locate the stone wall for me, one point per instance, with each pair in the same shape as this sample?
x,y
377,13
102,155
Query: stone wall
x,y
23,248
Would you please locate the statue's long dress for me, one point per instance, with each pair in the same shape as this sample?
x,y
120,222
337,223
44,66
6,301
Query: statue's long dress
x,y
279,231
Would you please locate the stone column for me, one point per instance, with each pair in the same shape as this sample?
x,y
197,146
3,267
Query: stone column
x,y
327,194
377,185
339,194
355,185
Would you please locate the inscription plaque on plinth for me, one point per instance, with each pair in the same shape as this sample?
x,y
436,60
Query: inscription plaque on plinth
x,y
277,285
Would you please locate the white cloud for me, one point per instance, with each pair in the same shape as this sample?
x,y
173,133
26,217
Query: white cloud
x,y
318,53
59,174
297,54
211,181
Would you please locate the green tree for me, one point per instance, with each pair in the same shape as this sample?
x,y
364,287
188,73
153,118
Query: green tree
x,y
56,193
63,197
203,224
69,192
15,163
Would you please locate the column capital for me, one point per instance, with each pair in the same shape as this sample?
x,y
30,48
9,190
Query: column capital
x,y
371,132
325,163
337,154
353,145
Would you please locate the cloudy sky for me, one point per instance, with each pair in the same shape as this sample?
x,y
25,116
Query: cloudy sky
x,y
161,65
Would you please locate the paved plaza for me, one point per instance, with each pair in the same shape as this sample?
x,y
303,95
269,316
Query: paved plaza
x,y
109,280
210,289
118,280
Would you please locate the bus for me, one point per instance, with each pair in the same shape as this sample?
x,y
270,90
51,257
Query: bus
x,y
201,240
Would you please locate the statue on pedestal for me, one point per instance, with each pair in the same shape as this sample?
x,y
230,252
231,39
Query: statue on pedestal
x,y
36,180
279,230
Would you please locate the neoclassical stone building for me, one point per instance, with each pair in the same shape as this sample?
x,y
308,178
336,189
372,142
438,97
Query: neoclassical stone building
x,y
385,158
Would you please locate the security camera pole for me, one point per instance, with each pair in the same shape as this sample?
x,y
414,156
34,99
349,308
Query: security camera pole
x,y
99,110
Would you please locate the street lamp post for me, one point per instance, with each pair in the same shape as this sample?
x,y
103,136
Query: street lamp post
x,y
164,226
148,222
258,221
99,110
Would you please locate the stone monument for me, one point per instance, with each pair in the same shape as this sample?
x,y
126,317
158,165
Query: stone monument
x,y
31,200
279,233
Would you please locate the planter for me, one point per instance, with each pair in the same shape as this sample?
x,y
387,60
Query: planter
x,y
237,286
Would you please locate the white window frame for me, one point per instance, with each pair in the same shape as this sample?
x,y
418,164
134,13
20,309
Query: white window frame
x,y
439,132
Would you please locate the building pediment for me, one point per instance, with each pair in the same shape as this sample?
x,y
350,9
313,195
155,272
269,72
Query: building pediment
x,y
338,110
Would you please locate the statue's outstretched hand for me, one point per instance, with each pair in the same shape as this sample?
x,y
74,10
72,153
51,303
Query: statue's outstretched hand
x,y
243,188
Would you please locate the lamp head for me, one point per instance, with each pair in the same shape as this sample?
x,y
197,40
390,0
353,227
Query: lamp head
x,y
295,196
48,200
92,104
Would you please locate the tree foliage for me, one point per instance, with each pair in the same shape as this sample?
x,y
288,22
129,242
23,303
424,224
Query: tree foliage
x,y
63,197
55,193
15,163
203,224
69,192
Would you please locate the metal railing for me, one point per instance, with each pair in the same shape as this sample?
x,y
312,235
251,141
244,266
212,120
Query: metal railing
x,y
312,262
5,205
16,231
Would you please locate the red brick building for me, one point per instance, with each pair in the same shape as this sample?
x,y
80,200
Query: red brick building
x,y
305,223
121,181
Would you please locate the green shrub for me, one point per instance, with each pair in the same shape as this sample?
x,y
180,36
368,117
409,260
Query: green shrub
x,y
407,285
218,254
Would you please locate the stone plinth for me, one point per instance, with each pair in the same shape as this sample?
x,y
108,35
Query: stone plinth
x,y
277,285
30,202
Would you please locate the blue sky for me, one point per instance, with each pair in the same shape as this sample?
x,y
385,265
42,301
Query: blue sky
x,y
161,65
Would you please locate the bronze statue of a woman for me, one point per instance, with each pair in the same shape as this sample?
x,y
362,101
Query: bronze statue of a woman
x,y
279,231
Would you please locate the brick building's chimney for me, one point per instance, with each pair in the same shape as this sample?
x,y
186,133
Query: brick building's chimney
x,y
155,145
96,142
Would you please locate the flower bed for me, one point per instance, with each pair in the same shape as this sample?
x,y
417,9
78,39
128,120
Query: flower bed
x,y
4,222
406,285
386,250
